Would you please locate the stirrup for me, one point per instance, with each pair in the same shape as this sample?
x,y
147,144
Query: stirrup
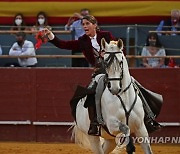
x,y
152,125
94,129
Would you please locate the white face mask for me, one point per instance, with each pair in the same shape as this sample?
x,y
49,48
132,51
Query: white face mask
x,y
18,21
41,21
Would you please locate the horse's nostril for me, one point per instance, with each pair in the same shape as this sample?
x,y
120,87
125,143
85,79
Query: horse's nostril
x,y
109,85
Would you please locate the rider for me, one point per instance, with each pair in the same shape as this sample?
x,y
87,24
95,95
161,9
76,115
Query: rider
x,y
90,45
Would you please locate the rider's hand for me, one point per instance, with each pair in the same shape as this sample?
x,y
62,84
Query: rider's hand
x,y
48,33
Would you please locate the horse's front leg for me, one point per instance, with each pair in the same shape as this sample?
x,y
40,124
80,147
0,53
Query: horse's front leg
x,y
108,145
96,145
143,134
115,127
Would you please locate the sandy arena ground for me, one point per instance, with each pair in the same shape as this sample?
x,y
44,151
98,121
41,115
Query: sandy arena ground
x,y
59,148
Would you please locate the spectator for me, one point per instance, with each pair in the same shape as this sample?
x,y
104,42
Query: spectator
x,y
41,22
74,24
23,47
173,23
153,48
19,23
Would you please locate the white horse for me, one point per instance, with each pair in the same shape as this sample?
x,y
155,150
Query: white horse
x,y
121,107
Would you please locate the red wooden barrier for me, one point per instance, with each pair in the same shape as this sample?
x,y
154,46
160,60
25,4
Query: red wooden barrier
x,y
33,95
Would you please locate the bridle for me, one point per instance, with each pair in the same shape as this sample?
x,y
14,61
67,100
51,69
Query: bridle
x,y
107,62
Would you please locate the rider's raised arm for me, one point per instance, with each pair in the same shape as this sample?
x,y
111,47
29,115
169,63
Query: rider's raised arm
x,y
69,45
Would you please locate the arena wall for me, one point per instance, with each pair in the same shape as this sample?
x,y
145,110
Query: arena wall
x,y
35,101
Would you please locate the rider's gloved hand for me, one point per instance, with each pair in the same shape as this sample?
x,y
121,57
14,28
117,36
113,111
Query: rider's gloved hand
x,y
48,33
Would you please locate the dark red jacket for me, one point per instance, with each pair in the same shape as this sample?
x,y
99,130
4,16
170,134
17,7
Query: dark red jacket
x,y
83,44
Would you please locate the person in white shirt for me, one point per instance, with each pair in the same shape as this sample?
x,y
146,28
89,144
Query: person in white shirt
x,y
153,48
23,47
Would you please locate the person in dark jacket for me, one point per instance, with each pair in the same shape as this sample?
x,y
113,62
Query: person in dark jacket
x,y
90,45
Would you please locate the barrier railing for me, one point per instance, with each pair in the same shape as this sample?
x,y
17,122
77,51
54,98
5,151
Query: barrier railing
x,y
135,31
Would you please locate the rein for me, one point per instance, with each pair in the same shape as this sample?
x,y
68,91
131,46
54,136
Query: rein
x,y
127,113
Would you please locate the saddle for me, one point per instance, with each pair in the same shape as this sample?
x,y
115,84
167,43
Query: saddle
x,y
154,100
80,93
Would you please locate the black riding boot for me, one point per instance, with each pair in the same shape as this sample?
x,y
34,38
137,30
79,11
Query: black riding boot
x,y
94,128
149,119
151,124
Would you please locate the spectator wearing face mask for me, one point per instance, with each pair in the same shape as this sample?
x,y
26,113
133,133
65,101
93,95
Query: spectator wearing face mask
x,y
173,23
19,23
23,47
153,48
41,22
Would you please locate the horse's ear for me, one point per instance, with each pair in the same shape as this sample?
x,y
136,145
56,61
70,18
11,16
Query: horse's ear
x,y
103,43
120,44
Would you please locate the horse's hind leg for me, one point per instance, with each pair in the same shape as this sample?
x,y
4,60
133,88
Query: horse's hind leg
x,y
108,146
95,144
142,132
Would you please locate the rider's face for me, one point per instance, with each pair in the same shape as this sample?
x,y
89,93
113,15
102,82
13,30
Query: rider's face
x,y
89,28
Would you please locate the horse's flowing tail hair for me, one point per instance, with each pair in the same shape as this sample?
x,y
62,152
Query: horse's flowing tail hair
x,y
80,138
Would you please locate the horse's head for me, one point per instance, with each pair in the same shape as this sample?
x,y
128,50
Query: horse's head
x,y
113,59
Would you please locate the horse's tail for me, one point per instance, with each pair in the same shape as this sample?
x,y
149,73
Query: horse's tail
x,y
80,138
